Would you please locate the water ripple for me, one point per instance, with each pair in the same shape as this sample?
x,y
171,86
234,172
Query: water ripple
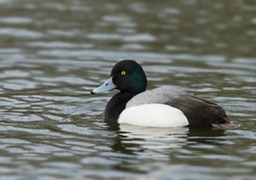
x,y
20,33
52,54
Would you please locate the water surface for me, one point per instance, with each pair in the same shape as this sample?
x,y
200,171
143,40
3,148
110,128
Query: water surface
x,y
52,53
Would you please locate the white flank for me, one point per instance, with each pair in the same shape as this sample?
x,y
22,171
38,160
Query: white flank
x,y
153,115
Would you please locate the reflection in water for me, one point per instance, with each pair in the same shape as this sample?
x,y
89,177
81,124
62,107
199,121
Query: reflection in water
x,y
135,138
53,52
153,138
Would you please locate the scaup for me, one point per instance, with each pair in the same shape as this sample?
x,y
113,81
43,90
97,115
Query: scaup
x,y
159,107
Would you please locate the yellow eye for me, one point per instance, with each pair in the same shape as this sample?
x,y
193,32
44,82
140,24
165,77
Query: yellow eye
x,y
123,73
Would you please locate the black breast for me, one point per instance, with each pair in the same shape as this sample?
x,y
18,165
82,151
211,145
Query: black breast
x,y
115,106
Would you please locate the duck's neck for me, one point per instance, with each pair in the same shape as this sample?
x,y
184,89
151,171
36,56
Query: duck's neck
x,y
116,105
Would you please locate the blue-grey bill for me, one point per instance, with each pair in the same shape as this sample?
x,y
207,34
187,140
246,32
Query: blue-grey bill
x,y
108,85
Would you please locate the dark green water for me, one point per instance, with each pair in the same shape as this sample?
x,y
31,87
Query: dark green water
x,y
53,52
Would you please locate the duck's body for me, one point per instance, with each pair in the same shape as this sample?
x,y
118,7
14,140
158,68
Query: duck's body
x,y
160,107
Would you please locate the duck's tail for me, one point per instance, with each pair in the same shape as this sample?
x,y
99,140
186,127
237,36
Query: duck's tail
x,y
203,113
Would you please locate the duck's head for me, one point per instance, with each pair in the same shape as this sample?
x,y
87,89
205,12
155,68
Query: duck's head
x,y
126,76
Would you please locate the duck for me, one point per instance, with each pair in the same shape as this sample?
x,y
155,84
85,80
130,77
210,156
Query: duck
x,y
167,106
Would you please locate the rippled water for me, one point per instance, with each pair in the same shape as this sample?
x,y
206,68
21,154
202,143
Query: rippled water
x,y
53,52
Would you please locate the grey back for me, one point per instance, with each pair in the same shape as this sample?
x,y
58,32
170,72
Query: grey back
x,y
162,95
